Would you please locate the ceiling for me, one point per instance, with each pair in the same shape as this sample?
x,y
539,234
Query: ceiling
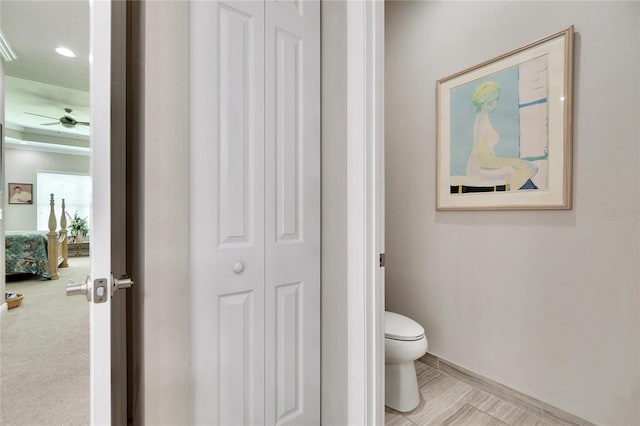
x,y
41,81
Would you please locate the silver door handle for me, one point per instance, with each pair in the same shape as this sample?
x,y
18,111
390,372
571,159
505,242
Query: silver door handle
x,y
74,289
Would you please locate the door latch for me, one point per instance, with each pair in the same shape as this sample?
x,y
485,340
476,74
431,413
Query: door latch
x,y
382,260
120,283
100,292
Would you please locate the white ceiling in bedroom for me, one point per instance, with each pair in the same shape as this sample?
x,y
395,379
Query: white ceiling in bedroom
x,y
41,81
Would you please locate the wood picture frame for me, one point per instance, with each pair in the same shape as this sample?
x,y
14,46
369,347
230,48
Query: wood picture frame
x,y
21,193
504,130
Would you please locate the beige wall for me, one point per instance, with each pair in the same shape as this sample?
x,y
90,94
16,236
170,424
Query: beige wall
x,y
546,302
3,305
334,213
166,304
22,166
161,244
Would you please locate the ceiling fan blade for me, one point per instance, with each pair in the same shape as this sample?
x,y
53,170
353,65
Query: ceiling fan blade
x,y
49,124
40,115
84,123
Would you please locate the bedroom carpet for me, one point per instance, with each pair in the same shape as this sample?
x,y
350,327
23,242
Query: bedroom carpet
x,y
44,353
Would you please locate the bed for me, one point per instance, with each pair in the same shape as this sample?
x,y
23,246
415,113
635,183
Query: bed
x,y
38,253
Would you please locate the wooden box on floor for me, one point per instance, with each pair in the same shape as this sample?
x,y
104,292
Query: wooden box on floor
x,y
78,249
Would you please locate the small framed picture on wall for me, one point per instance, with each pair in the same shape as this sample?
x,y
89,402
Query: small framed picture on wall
x,y
20,193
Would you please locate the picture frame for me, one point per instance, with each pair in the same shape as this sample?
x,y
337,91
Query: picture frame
x,y
504,130
21,193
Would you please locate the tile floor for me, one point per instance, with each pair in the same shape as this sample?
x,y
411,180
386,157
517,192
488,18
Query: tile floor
x,y
445,400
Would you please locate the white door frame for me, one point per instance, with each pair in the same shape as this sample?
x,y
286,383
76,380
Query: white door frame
x,y
365,211
100,314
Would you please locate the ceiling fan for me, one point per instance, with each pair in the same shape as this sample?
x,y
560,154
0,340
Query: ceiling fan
x,y
67,120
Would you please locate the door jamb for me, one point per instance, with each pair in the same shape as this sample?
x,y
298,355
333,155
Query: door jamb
x,y
365,211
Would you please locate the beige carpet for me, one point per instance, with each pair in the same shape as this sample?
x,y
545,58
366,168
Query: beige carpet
x,y
44,354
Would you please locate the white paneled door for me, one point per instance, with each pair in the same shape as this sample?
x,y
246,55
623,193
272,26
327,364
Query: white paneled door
x,y
292,212
255,212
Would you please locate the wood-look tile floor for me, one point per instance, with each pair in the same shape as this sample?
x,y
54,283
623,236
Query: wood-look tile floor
x,y
445,400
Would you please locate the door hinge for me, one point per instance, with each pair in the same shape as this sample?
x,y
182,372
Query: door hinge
x,y
382,260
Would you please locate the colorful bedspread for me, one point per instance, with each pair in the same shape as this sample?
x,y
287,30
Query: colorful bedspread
x,y
26,253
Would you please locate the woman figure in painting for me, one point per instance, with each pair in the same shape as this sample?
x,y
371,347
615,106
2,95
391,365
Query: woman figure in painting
x,y
483,163
19,196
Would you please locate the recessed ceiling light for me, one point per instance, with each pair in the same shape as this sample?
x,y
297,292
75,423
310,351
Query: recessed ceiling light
x,y
65,52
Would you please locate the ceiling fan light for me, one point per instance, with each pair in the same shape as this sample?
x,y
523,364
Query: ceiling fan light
x,y
65,52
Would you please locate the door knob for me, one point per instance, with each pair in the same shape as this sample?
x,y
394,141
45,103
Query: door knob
x,y
238,267
74,288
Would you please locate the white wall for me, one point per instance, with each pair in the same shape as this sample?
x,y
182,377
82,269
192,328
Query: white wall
x,y
546,302
334,213
21,166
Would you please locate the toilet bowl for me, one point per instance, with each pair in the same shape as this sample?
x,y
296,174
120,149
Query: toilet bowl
x,y
404,342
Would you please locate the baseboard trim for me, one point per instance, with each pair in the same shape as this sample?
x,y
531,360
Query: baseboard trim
x,y
545,411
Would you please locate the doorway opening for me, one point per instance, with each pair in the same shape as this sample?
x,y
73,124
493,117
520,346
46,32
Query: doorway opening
x,y
45,339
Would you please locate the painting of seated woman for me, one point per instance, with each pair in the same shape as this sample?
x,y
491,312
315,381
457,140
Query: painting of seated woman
x,y
499,140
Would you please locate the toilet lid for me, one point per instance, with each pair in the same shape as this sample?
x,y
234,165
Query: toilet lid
x,y
399,327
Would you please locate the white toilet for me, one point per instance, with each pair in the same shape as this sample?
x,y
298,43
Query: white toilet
x,y
404,342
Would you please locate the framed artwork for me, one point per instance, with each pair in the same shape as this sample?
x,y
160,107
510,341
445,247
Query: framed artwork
x,y
504,130
20,193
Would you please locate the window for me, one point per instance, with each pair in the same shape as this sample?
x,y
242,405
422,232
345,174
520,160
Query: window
x,y
74,188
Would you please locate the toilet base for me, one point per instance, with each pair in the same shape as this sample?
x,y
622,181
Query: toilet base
x,y
401,386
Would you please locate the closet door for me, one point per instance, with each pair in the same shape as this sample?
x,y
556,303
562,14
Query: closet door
x,y
227,212
255,212
292,212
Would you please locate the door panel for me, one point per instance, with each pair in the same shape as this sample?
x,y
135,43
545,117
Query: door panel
x,y
292,212
237,134
289,351
255,212
227,212
235,323
288,118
